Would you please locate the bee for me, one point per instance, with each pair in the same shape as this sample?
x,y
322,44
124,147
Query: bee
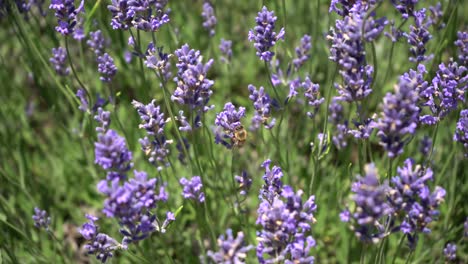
x,y
240,136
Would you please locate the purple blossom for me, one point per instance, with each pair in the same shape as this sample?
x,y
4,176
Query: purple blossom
x,y
425,145
345,216
264,35
273,185
122,14
111,152
106,67
405,7
461,131
158,60
209,18
312,95
411,196
395,34
399,117
450,251
59,61
41,219
97,42
343,7
193,189
225,47
262,105
155,146
193,86
436,15
146,15
418,36
370,198
229,126
103,118
465,228
81,94
66,13
363,128
302,52
348,50
99,244
245,182
462,44
336,118
231,250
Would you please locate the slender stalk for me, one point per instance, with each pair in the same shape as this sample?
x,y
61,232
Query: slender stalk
x,y
284,14
402,239
271,83
73,69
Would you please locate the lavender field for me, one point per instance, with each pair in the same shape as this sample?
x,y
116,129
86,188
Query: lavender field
x,y
230,131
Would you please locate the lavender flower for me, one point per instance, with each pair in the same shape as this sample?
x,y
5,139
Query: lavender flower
x,y
193,189
231,250
410,195
436,16
462,44
465,228
245,182
348,51
79,33
346,5
302,52
193,86
59,61
146,15
273,185
336,118
229,126
131,203
312,95
405,7
399,117
209,18
97,42
106,67
111,152
461,131
371,205
395,34
81,94
100,244
425,145
153,122
447,90
225,47
418,37
264,35
158,60
262,105
450,251
103,118
122,14
363,129
41,219
66,13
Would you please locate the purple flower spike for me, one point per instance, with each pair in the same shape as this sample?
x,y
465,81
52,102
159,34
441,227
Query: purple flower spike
x,y
226,50
405,7
66,13
111,152
264,35
193,189
230,131
209,18
231,250
106,67
462,44
245,182
418,37
59,61
303,52
262,105
97,42
41,219
312,95
450,252
461,132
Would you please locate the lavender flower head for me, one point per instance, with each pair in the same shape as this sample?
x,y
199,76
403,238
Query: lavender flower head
x,y
209,18
425,145
231,250
302,52
399,117
245,182
99,244
41,219
450,252
343,7
312,95
103,118
229,126
81,94
59,61
262,105
147,15
461,131
462,44
193,86
225,47
111,152
418,36
347,49
273,185
106,67
66,13
370,198
97,42
193,189
158,60
340,134
405,7
264,35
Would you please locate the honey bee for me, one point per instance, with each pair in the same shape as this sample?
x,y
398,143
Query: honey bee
x,y
240,136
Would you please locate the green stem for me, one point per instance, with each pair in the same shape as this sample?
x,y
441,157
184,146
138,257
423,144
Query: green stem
x,y
284,15
73,69
402,239
271,83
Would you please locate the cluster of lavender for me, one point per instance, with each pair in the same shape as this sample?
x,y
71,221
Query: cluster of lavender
x,y
262,103
225,47
158,60
461,132
59,61
193,87
406,204
193,189
41,219
285,220
67,14
155,145
229,126
209,18
145,15
231,250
